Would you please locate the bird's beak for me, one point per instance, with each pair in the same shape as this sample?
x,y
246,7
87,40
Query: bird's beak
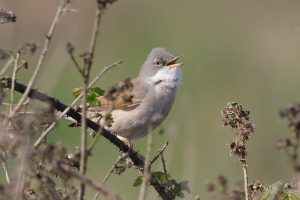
x,y
172,63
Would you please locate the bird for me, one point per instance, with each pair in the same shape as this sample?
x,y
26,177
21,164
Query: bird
x,y
151,96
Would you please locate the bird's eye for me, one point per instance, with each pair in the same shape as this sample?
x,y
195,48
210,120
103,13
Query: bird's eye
x,y
157,62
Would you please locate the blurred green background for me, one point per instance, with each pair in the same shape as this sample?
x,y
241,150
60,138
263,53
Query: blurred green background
x,y
244,51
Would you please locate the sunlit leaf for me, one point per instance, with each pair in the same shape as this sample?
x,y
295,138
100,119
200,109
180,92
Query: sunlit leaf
x,y
77,91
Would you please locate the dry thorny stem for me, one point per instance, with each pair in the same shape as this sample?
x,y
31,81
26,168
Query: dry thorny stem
x,y
238,119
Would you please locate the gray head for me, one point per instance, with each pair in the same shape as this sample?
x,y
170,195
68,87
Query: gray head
x,y
161,67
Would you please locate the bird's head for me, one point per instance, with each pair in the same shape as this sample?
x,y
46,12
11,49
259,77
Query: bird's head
x,y
161,67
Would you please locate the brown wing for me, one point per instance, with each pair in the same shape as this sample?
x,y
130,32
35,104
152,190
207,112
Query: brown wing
x,y
126,100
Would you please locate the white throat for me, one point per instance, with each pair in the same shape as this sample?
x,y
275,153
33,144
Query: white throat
x,y
170,77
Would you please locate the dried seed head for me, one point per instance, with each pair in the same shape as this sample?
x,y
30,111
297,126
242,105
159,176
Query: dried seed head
x,y
235,116
237,149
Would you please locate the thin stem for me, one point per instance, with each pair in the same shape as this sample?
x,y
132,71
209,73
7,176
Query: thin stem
x,y
6,66
51,126
76,64
5,169
14,76
42,56
86,76
146,173
83,142
164,165
159,152
245,174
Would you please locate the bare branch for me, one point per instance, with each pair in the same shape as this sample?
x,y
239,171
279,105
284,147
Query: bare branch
x,y
159,152
42,56
14,76
6,66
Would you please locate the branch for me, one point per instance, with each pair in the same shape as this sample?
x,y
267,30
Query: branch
x,y
136,158
41,58
51,126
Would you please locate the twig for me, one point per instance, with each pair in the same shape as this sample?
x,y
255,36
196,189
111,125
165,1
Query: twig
x,y
159,152
67,109
42,56
83,140
86,180
6,66
146,173
4,165
136,158
86,76
14,76
164,164
110,172
245,174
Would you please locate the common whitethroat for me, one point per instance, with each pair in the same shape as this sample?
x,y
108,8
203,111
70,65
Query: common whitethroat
x,y
153,93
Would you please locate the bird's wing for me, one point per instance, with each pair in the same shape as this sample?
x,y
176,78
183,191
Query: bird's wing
x,y
121,102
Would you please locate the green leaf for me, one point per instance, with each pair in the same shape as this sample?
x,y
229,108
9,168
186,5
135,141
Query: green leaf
x,y
92,95
97,90
161,176
138,181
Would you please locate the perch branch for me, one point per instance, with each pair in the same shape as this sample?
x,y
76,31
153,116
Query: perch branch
x,y
136,158
64,112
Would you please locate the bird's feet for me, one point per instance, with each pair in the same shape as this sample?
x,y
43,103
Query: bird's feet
x,y
125,140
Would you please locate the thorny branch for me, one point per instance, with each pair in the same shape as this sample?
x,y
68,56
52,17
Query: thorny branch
x,y
136,158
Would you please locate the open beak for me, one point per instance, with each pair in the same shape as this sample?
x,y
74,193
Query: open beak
x,y
172,63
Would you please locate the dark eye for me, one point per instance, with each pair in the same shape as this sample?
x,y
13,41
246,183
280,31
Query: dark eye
x,y
157,62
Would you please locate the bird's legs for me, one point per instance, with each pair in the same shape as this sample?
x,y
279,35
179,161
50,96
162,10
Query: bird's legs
x,y
125,140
